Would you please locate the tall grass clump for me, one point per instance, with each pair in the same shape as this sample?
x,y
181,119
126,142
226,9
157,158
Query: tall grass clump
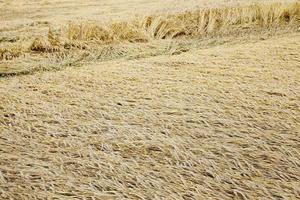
x,y
190,24
224,20
10,53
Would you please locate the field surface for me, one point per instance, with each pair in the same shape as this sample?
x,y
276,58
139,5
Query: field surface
x,y
136,99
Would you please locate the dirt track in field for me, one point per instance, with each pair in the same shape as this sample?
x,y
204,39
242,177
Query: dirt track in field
x,y
219,121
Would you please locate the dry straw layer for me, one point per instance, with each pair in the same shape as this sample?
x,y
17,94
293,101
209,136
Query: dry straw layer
x,y
217,123
214,123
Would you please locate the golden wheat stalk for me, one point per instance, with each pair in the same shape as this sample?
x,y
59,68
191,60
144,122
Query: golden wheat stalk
x,y
190,24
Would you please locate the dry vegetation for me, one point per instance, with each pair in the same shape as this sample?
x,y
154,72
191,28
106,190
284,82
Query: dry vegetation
x,y
195,104
86,39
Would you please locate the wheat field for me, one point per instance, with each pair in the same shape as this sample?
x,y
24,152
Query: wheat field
x,y
136,99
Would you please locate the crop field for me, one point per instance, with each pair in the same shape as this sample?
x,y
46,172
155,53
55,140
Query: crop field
x,y
149,99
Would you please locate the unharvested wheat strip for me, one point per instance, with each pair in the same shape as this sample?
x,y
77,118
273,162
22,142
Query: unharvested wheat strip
x,y
80,42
